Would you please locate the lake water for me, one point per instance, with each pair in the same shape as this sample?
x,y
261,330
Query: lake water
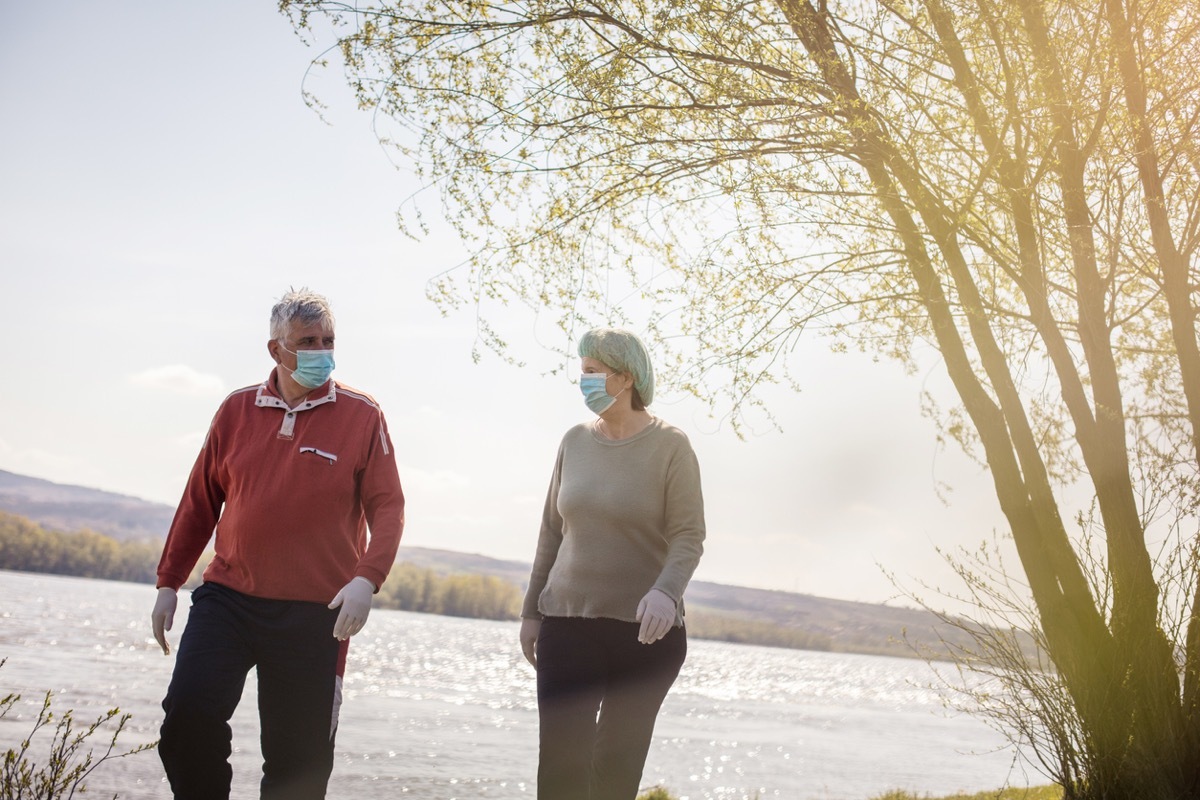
x,y
438,708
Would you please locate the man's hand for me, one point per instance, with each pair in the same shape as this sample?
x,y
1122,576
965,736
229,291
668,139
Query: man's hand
x,y
529,634
163,616
656,612
355,601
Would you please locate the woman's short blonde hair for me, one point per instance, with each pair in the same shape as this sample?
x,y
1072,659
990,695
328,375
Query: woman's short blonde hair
x,y
623,351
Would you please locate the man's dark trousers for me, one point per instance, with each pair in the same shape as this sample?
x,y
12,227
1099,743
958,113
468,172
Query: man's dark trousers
x,y
292,646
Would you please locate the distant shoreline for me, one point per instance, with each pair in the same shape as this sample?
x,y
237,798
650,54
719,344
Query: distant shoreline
x,y
471,585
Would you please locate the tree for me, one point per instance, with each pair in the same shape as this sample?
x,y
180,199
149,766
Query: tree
x,y
24,545
1010,185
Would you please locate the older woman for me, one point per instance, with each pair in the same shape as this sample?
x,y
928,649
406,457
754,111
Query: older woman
x,y
621,534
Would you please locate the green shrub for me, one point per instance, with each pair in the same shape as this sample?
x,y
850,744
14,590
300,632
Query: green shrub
x,y
657,793
67,766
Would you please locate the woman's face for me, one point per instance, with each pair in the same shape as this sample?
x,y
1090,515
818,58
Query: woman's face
x,y
617,381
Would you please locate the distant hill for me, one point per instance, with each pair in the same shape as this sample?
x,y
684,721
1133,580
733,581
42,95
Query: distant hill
x,y
847,625
839,625
71,508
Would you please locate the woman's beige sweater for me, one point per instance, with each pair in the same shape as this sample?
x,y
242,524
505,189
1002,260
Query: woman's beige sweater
x,y
621,517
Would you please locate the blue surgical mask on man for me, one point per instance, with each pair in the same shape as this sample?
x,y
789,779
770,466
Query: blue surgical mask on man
x,y
313,367
594,386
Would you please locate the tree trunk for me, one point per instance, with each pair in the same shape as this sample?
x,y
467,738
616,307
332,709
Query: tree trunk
x,y
1122,679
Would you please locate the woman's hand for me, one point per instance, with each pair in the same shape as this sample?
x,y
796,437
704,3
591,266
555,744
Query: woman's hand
x,y
529,634
656,612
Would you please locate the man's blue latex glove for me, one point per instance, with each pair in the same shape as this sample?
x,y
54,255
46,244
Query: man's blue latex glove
x,y
355,602
656,612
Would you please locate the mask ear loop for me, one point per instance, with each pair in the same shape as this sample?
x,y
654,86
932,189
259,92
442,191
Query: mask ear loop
x,y
631,382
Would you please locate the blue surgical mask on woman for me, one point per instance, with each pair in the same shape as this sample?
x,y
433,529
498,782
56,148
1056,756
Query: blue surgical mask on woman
x,y
313,367
594,386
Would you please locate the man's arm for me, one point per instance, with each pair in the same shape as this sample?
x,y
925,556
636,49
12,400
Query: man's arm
x,y
383,508
192,527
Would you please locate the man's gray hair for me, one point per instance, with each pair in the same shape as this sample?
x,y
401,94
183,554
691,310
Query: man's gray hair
x,y
299,305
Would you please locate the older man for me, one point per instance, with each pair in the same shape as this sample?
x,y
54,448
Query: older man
x,y
291,475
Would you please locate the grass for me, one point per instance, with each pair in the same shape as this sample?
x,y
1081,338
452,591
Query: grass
x,y
1032,793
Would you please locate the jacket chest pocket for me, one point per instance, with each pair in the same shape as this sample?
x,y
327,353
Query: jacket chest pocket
x,y
318,456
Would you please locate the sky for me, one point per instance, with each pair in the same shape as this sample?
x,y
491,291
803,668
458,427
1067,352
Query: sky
x,y
162,183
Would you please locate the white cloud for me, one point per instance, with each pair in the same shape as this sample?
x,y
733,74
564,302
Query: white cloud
x,y
36,462
179,379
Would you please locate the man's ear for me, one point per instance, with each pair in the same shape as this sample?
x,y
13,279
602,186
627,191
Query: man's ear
x,y
273,350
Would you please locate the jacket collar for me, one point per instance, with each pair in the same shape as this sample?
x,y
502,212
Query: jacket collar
x,y
266,397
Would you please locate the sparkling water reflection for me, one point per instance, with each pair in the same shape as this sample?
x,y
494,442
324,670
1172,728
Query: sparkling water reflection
x,y
444,709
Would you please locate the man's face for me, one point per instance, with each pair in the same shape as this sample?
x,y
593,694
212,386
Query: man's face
x,y
300,337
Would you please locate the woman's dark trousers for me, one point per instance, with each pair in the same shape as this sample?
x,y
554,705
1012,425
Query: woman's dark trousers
x,y
599,692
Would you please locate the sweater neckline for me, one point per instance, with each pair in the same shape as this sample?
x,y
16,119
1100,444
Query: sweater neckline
x,y
594,430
